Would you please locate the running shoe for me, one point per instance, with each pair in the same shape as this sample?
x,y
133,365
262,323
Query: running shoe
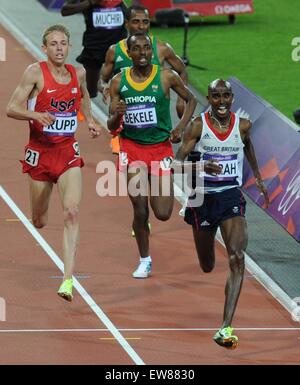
x,y
149,227
225,338
65,290
143,270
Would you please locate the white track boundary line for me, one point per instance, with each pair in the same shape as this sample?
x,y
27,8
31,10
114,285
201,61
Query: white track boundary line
x,y
86,297
99,115
139,330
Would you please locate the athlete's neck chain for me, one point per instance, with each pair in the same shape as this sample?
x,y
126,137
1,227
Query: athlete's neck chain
x,y
222,127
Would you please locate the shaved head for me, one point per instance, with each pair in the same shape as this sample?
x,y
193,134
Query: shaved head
x,y
219,83
134,37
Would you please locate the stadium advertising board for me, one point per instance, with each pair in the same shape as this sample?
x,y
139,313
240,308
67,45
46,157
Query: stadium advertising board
x,y
200,7
277,145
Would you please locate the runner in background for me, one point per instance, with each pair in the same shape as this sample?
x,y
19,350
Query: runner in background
x,y
105,25
116,59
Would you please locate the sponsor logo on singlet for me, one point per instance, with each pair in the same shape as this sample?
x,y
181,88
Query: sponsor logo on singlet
x,y
62,105
108,18
65,124
229,164
141,116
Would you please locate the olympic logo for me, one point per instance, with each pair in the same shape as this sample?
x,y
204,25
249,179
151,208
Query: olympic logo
x,y
291,195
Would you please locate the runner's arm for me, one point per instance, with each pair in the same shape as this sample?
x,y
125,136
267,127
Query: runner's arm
x,y
117,106
176,83
245,126
71,7
85,105
190,136
17,106
106,72
176,64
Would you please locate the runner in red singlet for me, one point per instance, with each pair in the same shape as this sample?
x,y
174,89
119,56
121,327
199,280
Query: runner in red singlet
x,y
54,91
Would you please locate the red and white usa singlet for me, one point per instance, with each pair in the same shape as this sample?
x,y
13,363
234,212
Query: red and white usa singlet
x,y
61,100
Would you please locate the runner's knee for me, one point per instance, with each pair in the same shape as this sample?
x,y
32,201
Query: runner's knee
x,y
71,215
207,267
236,260
163,214
39,222
208,264
141,214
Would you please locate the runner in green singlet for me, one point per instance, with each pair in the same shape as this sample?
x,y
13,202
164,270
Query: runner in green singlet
x,y
140,101
138,20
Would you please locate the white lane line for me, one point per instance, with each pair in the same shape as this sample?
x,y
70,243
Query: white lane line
x,y
88,299
140,330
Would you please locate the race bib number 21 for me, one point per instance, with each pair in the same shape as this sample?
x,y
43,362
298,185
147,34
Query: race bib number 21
x,y
32,157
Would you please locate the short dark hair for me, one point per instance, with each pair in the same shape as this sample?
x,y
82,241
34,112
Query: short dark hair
x,y
136,35
136,8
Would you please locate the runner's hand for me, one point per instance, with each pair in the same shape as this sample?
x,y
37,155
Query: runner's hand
x,y
121,108
263,191
95,130
175,135
105,94
44,118
212,167
103,88
180,105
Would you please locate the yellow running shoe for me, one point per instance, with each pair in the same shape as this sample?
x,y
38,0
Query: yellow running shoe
x,y
149,227
65,290
225,338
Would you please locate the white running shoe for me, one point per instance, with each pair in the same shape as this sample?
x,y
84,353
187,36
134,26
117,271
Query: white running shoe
x,y
143,270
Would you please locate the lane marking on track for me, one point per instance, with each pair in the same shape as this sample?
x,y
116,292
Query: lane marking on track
x,y
142,330
76,276
84,294
113,339
14,220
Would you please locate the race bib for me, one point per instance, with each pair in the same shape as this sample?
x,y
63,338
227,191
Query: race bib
x,y
123,159
76,149
32,157
108,18
141,116
165,164
64,125
229,164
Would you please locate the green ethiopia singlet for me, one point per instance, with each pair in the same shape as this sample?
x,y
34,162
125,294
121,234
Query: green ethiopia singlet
x,y
122,60
147,119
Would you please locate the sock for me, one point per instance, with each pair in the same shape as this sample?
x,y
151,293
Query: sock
x,y
146,259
